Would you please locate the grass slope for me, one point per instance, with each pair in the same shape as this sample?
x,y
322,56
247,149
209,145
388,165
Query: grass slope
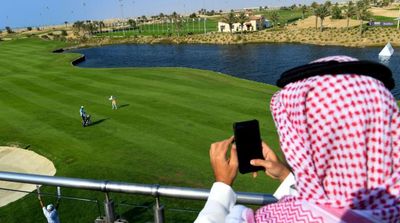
x,y
161,134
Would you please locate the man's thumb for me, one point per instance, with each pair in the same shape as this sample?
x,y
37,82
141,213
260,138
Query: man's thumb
x,y
258,162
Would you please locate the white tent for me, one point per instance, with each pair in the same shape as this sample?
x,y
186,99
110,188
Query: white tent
x,y
387,51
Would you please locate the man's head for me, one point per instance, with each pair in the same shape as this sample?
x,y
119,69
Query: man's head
x,y
339,134
82,107
50,207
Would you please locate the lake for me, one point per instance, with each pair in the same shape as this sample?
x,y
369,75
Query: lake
x,y
258,62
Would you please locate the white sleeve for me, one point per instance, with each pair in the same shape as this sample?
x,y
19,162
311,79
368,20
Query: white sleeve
x,y
220,200
287,187
45,212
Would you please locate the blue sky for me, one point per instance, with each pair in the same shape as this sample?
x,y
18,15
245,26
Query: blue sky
x,y
23,13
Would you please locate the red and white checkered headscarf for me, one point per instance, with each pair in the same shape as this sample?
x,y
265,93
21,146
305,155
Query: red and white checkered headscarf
x,y
341,136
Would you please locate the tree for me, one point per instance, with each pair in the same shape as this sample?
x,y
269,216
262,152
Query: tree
x,y
303,11
178,25
362,13
328,4
315,6
90,27
132,23
9,30
230,19
275,17
336,12
322,12
241,19
29,28
66,23
193,15
101,26
78,26
349,11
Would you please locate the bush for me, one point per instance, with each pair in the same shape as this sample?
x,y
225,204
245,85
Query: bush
x,y
29,28
64,33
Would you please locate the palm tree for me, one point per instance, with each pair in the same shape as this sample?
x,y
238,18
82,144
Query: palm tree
x,y
336,12
328,4
90,26
362,13
349,11
179,25
275,17
230,19
78,26
303,11
242,18
132,23
9,30
323,12
315,6
101,26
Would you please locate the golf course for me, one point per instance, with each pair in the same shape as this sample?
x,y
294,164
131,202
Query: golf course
x,y
161,133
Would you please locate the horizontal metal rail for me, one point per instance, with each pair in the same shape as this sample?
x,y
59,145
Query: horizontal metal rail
x,y
130,188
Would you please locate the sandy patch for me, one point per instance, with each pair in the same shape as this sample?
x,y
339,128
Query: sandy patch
x,y
23,161
328,23
385,12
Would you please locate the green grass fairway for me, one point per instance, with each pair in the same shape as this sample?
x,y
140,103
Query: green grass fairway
x,y
160,135
165,29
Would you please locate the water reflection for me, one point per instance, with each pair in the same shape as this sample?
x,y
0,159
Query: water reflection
x,y
384,60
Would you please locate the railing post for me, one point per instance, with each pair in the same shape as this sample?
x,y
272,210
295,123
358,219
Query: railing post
x,y
109,209
158,211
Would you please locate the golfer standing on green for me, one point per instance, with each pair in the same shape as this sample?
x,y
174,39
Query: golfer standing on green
x,y
113,100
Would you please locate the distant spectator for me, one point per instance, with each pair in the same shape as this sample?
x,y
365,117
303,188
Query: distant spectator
x,y
50,211
113,100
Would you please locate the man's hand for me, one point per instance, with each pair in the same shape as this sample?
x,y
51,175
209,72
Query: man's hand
x,y
225,169
273,166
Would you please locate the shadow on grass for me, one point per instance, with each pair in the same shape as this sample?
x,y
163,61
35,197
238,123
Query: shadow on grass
x,y
140,212
98,121
124,105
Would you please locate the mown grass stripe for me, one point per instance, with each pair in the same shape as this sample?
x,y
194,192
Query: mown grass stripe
x,y
162,136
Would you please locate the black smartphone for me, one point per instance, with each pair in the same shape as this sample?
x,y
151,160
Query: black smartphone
x,y
248,144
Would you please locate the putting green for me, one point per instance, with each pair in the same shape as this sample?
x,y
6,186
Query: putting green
x,y
161,134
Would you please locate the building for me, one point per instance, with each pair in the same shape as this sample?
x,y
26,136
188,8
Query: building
x,y
254,23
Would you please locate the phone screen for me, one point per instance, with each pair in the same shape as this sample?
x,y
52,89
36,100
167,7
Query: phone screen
x,y
248,145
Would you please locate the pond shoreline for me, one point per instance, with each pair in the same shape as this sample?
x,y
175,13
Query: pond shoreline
x,y
372,37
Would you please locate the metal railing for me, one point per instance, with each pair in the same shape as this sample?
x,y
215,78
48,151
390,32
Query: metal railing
x,y
154,190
